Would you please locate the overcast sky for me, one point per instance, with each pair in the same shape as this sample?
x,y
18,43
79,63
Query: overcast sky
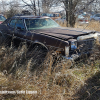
x,y
53,9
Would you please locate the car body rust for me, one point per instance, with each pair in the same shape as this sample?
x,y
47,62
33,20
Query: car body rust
x,y
62,39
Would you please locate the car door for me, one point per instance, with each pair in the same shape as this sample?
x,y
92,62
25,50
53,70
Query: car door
x,y
20,29
17,28
4,27
11,27
97,17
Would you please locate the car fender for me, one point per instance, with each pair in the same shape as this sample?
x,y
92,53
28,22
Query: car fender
x,y
1,34
37,42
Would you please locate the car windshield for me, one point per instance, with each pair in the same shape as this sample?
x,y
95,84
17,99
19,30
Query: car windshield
x,y
97,15
2,18
41,23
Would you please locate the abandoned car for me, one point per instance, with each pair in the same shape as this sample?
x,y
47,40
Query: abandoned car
x,y
46,32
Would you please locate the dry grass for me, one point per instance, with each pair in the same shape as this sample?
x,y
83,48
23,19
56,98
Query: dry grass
x,y
93,25
53,79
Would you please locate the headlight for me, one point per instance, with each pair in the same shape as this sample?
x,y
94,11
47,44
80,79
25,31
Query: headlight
x,y
66,51
73,45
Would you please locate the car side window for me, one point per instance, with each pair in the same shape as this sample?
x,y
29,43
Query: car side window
x,y
97,15
20,24
2,18
15,23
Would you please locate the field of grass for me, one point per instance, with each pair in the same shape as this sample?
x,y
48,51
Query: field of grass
x,y
53,79
93,25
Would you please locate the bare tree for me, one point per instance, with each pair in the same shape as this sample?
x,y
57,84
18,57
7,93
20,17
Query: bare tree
x,y
39,7
3,6
31,5
13,8
70,8
47,4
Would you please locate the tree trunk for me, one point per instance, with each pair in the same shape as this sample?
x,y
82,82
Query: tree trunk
x,y
71,14
34,8
39,7
70,17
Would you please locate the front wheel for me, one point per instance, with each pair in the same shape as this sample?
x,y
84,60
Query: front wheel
x,y
37,53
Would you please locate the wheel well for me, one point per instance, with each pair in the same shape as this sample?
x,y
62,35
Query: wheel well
x,y
40,44
32,45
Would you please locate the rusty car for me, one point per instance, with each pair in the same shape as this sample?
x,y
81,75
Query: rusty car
x,y
44,31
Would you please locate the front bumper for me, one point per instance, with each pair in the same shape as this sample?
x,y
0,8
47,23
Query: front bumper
x,y
74,57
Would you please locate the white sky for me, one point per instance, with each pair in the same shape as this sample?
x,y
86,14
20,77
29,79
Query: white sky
x,y
53,9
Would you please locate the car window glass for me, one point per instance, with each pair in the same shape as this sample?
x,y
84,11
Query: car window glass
x,y
57,15
97,15
13,22
20,24
51,15
40,23
2,18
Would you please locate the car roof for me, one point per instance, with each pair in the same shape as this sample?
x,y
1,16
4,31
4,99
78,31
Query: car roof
x,y
30,16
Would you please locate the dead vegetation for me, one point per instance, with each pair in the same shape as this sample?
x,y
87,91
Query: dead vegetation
x,y
93,25
53,79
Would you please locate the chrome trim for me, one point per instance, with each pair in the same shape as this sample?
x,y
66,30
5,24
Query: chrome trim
x,y
67,51
73,45
81,38
25,25
74,57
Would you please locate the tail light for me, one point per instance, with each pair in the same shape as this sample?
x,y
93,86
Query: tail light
x,y
86,20
81,20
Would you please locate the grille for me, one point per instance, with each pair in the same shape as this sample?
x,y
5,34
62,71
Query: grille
x,y
98,38
88,43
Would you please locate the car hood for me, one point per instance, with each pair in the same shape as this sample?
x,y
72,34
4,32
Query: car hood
x,y
63,33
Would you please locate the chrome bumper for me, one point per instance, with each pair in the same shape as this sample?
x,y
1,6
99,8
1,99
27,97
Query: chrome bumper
x,y
74,57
